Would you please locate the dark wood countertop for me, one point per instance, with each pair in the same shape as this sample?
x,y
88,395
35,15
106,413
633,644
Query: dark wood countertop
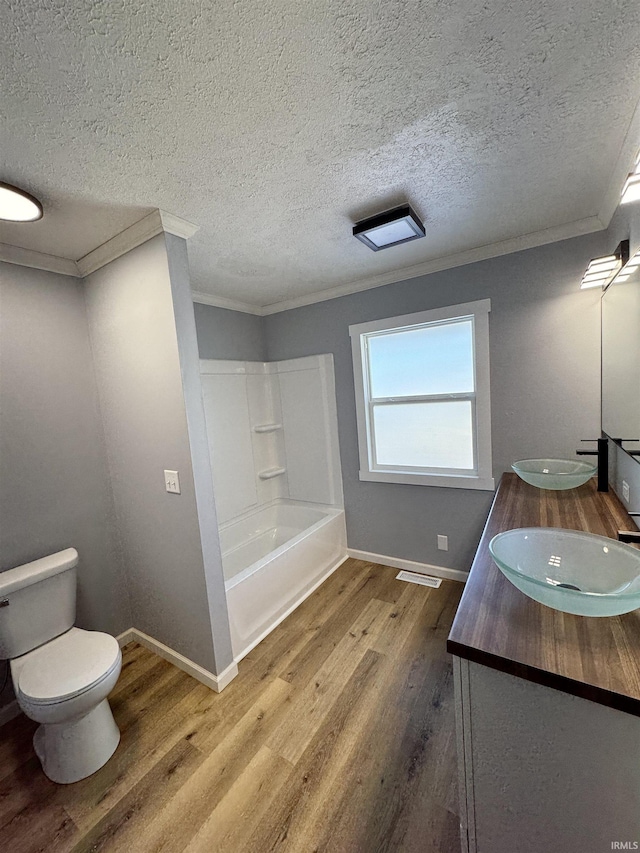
x,y
500,627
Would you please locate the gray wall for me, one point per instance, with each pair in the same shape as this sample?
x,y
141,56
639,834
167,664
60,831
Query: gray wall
x,y
54,488
133,333
199,443
229,334
545,384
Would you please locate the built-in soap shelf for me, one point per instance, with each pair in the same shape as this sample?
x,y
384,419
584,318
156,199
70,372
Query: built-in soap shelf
x,y
267,427
270,473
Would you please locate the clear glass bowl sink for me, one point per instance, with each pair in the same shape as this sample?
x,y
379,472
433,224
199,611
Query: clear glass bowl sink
x,y
554,473
570,571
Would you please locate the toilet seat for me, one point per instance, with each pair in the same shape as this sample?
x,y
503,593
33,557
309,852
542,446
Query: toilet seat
x,y
67,666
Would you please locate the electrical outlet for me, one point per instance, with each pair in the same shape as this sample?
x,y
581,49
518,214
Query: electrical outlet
x,y
443,542
172,482
625,491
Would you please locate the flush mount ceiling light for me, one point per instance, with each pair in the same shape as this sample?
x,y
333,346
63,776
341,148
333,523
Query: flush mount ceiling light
x,y
631,188
391,228
16,205
602,271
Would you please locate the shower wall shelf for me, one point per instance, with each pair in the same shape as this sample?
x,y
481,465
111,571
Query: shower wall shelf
x,y
267,427
270,473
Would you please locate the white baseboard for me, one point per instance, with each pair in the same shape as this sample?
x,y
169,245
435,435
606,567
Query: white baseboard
x,y
290,610
409,565
215,682
8,712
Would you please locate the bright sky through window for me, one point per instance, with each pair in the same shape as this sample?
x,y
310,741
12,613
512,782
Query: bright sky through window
x,y
434,359
422,397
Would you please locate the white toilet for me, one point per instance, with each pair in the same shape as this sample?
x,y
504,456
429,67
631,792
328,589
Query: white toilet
x,y
62,675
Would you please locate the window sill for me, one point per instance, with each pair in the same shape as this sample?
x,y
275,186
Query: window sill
x,y
449,481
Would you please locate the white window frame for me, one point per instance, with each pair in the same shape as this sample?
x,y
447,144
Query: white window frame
x,y
481,476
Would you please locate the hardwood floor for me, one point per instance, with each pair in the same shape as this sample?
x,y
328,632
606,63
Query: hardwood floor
x,y
336,736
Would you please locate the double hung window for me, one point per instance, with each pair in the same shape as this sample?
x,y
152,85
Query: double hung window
x,y
422,397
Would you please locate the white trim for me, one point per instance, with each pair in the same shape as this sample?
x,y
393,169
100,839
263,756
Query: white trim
x,y
290,610
223,302
432,315
37,260
480,253
447,481
9,712
215,682
156,222
409,565
176,225
370,471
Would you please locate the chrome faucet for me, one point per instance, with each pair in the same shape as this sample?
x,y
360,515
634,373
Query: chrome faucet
x,y
630,535
603,461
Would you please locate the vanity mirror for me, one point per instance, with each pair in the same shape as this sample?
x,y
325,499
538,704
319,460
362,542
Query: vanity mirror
x,y
621,362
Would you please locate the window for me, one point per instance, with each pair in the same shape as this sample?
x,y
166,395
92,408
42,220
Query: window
x,y
422,397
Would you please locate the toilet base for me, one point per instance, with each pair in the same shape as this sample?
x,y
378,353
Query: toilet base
x,y
72,751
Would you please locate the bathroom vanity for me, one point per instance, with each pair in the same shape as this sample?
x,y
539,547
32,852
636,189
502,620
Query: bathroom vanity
x,y
547,703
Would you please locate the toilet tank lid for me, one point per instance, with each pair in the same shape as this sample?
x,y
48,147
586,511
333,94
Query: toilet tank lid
x,y
22,576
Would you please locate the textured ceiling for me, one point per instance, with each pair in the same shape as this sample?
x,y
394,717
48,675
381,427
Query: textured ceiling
x,y
275,125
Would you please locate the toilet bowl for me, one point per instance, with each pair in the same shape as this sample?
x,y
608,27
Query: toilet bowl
x,y
62,675
64,685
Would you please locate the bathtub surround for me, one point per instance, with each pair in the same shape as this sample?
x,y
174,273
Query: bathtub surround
x,y
272,432
275,457
54,486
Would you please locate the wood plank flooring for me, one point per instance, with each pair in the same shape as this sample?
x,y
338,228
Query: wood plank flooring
x,y
336,736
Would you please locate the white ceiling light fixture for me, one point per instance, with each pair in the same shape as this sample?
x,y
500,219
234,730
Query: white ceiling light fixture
x,y
602,271
16,205
631,188
391,228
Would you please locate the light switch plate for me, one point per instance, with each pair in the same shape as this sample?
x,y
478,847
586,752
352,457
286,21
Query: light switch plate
x,y
625,491
172,482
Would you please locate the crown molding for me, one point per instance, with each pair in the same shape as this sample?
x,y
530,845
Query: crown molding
x,y
480,253
623,166
177,226
37,260
223,302
156,222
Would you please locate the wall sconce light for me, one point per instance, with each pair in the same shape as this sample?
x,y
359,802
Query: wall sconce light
x,y
629,269
391,228
16,205
631,188
602,271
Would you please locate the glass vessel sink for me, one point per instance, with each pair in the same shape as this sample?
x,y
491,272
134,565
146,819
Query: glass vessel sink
x,y
570,571
554,473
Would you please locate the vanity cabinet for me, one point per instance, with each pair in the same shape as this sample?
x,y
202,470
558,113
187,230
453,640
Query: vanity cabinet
x,y
547,703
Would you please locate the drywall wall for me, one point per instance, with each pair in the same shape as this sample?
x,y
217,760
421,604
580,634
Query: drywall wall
x,y
229,334
138,364
185,326
545,384
54,487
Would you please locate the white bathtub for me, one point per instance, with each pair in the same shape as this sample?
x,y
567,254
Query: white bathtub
x,y
273,559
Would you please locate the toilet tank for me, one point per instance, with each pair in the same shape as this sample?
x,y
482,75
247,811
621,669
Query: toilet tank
x,y
37,602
